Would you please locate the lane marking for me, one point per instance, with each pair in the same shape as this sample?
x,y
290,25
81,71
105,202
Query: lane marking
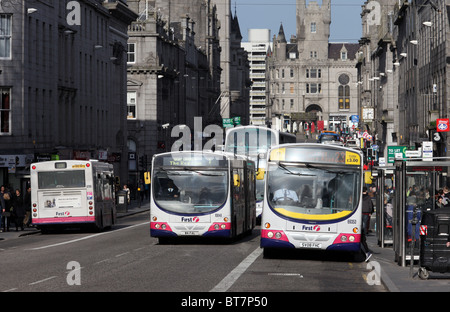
x,y
44,280
234,275
122,254
88,237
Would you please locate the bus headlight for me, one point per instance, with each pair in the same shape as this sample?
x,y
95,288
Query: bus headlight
x,y
343,238
163,226
351,238
278,235
270,234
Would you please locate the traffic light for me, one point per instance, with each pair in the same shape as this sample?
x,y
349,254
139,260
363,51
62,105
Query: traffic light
x,y
369,154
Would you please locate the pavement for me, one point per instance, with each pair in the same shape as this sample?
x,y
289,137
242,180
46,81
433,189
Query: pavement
x,y
133,208
394,277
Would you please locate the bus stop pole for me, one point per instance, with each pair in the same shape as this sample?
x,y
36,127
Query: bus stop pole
x,y
414,222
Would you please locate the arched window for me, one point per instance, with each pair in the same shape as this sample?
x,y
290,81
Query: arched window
x,y
344,92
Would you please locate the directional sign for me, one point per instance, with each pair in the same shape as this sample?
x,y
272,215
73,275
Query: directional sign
x,y
392,151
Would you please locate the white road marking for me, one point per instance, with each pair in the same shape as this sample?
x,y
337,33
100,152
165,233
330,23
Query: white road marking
x,y
44,280
234,275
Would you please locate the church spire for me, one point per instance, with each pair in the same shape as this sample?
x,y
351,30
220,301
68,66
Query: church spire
x,y
281,37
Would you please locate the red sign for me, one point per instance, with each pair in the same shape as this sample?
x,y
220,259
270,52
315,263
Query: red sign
x,y
442,125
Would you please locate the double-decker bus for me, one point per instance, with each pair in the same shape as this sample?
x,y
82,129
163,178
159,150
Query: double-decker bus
x,y
202,194
254,142
313,198
72,193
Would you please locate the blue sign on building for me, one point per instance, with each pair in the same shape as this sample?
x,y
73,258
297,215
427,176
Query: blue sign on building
x,y
354,118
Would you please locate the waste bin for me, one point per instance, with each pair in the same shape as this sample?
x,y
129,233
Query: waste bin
x,y
121,201
434,235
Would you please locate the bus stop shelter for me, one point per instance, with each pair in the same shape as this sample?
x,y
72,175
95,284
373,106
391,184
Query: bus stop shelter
x,y
417,185
384,203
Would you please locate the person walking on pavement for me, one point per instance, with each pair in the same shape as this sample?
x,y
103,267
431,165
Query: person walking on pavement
x,y
6,208
2,205
27,206
367,210
18,210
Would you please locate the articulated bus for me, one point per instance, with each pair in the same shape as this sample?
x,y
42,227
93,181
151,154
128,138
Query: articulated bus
x,y
254,142
202,194
313,198
72,193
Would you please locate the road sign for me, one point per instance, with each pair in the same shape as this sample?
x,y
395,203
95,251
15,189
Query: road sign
x,y
227,122
392,151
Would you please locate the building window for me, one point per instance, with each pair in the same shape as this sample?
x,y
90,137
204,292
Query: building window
x,y
313,88
344,55
313,27
5,111
131,55
5,36
292,73
313,73
344,97
313,54
344,92
131,105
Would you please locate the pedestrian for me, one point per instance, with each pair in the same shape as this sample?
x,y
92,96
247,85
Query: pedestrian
x,y
6,208
2,204
27,206
367,210
126,189
18,210
446,196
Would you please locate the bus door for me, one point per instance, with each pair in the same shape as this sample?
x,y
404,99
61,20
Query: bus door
x,y
416,191
238,199
385,199
250,196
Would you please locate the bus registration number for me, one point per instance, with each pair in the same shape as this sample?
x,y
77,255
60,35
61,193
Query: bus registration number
x,y
310,245
190,233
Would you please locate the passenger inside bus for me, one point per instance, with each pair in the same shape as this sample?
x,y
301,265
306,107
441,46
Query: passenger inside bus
x,y
171,190
285,195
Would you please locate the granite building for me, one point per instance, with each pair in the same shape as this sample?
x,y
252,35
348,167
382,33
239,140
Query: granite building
x,y
63,83
310,80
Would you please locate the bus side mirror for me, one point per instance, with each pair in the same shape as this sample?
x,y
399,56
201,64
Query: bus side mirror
x,y
237,180
260,174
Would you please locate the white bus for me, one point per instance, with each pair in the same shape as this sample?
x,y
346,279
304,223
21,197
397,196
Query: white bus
x,y
254,142
72,193
201,194
313,198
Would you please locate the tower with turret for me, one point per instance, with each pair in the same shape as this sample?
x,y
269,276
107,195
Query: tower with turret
x,y
313,28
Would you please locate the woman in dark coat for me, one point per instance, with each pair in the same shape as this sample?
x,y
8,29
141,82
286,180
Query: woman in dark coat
x,y
18,210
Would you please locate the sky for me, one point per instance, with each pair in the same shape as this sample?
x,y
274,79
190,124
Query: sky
x,y
269,14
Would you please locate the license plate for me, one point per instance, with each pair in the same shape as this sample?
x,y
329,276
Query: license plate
x,y
189,233
310,245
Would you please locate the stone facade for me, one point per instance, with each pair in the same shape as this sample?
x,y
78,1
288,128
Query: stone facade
x,y
63,83
309,79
